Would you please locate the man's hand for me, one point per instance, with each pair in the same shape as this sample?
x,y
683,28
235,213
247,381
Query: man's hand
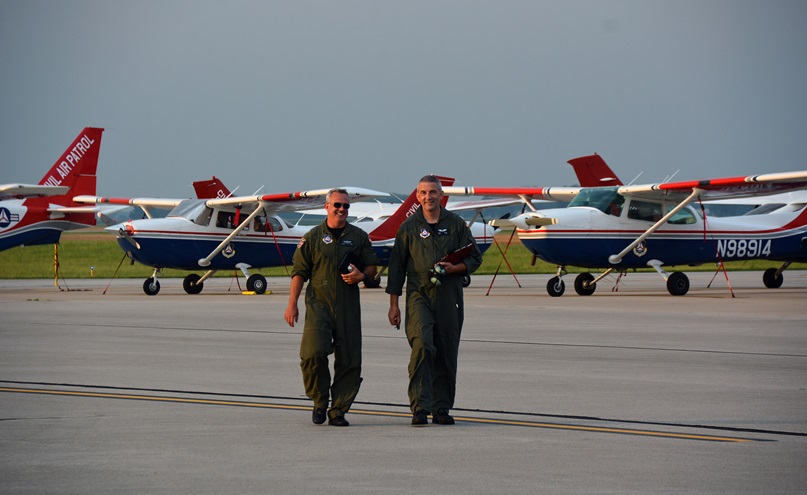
x,y
292,314
394,316
354,276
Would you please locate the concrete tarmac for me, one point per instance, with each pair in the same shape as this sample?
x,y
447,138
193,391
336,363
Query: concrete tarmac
x,y
634,391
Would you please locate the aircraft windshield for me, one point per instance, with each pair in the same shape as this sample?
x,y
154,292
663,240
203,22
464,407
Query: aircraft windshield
x,y
605,199
193,210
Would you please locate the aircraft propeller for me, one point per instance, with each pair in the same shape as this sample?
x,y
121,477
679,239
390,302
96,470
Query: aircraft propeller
x,y
126,232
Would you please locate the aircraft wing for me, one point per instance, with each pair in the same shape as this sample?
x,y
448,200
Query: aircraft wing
x,y
722,188
147,202
564,194
293,201
72,209
22,191
481,204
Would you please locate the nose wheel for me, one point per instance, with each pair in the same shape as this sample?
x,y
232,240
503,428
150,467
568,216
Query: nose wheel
x,y
555,287
151,286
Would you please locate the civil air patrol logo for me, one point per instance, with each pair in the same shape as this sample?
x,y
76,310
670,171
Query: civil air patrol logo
x,y
327,239
442,231
424,233
229,251
640,250
6,217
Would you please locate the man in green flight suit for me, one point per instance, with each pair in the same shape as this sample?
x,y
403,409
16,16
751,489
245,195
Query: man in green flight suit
x,y
334,257
434,313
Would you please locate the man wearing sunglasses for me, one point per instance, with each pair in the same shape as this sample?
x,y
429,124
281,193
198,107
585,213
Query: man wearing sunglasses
x,y
332,308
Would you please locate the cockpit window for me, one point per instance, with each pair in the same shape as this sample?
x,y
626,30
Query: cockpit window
x,y
225,219
645,210
193,210
261,224
765,208
605,199
684,217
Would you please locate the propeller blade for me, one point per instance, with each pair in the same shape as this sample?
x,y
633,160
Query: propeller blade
x,y
541,221
126,235
105,219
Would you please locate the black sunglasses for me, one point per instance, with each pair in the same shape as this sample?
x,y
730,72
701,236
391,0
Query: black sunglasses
x,y
341,205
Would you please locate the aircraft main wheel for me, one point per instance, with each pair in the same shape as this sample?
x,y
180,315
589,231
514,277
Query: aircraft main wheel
x,y
677,284
466,280
770,279
191,284
583,285
151,287
256,283
555,287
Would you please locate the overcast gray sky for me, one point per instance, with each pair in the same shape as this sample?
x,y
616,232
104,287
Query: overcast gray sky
x,y
309,94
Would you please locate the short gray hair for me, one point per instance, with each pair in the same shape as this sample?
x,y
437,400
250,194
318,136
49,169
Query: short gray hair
x,y
433,179
336,190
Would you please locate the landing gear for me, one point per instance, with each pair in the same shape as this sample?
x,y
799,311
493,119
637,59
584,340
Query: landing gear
x,y
151,286
677,284
192,285
772,278
555,287
584,284
256,283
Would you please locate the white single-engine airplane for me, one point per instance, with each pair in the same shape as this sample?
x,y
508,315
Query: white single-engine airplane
x,y
617,227
38,214
244,232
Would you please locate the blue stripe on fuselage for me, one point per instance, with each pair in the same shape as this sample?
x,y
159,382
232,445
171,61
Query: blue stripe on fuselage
x,y
184,254
593,252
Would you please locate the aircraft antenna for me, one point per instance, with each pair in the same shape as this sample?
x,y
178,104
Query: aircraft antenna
x,y
256,192
669,177
233,191
634,179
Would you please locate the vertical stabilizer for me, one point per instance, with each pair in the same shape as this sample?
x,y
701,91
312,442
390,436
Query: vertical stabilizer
x,y
211,189
76,169
77,166
592,171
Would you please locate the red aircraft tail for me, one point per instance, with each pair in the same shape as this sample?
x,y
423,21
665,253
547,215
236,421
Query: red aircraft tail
x,y
389,228
211,189
592,171
76,169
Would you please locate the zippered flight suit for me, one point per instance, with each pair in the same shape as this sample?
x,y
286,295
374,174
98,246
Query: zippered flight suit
x,y
332,316
434,314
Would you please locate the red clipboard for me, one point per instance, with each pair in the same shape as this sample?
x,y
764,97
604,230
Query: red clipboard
x,y
457,256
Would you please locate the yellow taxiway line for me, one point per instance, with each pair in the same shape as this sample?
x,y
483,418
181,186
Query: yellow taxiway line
x,y
264,405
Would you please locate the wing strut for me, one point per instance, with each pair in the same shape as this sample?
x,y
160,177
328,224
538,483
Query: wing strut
x,y
616,258
206,261
527,202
